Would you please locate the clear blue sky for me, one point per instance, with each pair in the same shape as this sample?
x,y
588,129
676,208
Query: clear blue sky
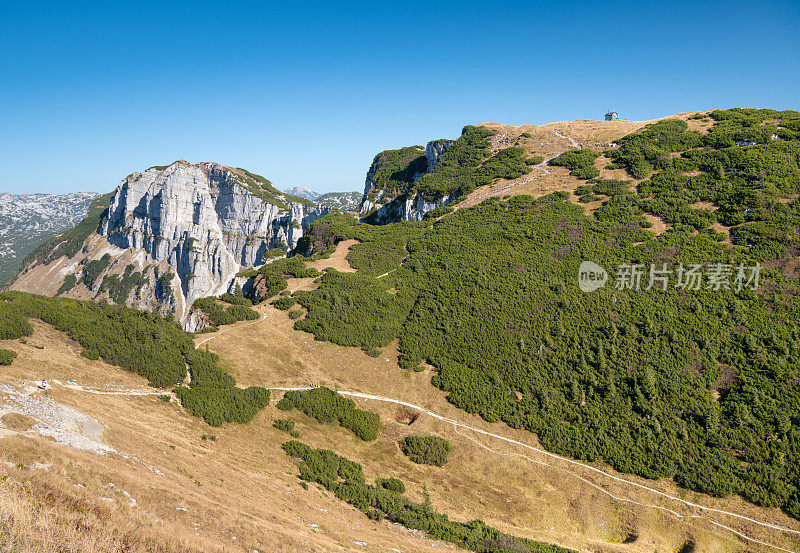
x,y
307,95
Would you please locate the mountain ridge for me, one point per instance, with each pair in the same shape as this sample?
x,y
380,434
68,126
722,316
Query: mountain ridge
x,y
201,223
26,220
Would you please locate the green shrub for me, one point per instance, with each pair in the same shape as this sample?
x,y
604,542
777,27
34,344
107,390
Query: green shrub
x,y
278,251
534,160
426,450
93,269
579,162
235,299
391,484
296,314
218,315
7,356
90,354
284,303
13,324
205,372
327,406
220,405
69,283
345,479
286,425
120,287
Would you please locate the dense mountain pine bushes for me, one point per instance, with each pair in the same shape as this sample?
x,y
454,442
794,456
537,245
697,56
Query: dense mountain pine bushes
x,y
7,356
426,450
326,406
270,279
696,385
219,314
384,499
140,342
465,165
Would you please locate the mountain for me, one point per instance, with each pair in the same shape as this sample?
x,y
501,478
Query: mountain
x,y
632,301
169,236
27,220
406,183
345,201
577,335
303,192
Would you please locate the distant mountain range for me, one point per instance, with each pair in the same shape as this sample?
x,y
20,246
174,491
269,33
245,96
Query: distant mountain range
x,y
27,220
346,201
303,192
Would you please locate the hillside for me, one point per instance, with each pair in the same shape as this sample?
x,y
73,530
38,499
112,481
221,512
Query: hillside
x,y
682,382
27,220
151,493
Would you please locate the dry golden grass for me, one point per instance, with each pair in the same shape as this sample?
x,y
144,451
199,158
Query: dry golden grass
x,y
17,422
338,259
659,225
241,485
595,135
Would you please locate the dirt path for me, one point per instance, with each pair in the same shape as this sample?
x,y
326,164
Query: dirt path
x,y
143,391
572,142
572,462
80,431
525,180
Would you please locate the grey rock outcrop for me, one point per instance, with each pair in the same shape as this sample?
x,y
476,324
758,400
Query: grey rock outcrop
x,y
206,221
408,206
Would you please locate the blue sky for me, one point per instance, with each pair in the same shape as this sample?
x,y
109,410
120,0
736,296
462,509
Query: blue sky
x,y
307,95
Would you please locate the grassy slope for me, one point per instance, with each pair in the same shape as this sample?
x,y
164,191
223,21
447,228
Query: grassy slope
x,y
248,487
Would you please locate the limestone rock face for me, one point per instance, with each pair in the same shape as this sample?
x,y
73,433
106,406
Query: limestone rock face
x,y
408,206
205,221
434,149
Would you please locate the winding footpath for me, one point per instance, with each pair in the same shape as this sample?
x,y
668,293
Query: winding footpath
x,y
461,425
541,167
552,456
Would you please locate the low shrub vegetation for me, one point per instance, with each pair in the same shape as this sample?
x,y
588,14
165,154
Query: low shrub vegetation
x,y
140,342
345,479
694,385
327,406
219,315
426,450
7,356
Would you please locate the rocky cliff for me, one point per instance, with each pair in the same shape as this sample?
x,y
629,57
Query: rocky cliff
x,y
200,223
389,193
